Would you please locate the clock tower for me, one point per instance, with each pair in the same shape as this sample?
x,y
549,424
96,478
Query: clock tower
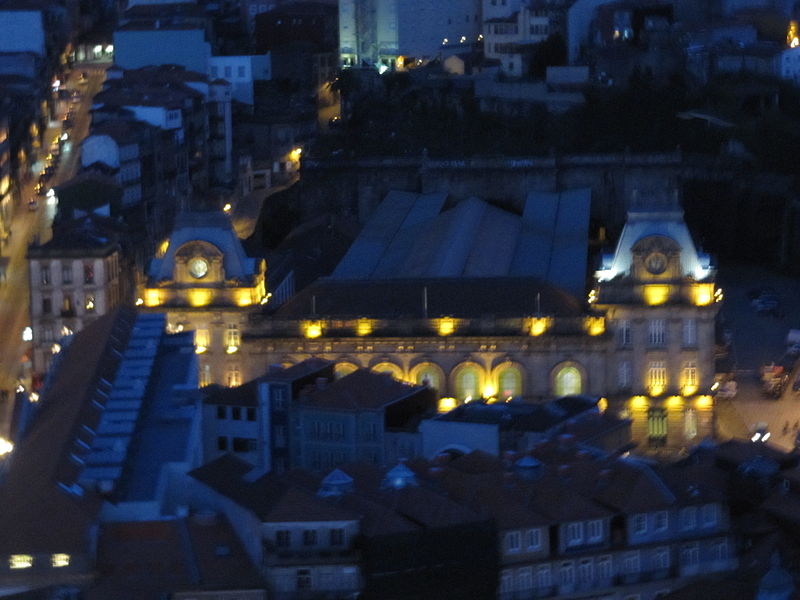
x,y
660,299
203,280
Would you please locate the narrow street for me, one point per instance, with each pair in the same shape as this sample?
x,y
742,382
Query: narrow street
x,y
28,226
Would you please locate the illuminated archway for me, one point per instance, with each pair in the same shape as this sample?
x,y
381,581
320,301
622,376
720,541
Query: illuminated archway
x,y
391,368
429,374
343,368
567,380
509,381
468,379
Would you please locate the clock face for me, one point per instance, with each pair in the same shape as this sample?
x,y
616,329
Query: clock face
x,y
198,267
656,263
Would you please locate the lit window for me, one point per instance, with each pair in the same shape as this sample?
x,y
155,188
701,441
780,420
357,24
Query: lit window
x,y
657,375
59,560
20,561
568,381
233,376
657,426
690,374
201,340
89,304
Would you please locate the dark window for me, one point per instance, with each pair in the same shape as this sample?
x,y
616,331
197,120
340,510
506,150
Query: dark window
x,y
222,443
303,579
222,412
236,413
310,537
337,537
47,306
88,273
251,414
66,273
283,538
243,444
45,272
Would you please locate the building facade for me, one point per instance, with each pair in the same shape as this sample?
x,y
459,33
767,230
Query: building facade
x,y
203,280
74,278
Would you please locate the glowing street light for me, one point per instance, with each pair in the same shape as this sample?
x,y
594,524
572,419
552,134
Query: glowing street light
x,y
27,334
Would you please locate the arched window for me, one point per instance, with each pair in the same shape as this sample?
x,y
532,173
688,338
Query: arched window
x,y
510,382
343,368
468,383
428,375
568,381
387,367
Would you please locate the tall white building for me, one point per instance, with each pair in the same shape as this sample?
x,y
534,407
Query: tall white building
x,y
390,34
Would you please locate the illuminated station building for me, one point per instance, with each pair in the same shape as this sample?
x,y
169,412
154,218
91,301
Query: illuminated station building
x,y
479,303
500,313
203,280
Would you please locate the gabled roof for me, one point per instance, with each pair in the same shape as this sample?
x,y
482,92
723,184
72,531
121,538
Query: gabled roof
x,y
413,236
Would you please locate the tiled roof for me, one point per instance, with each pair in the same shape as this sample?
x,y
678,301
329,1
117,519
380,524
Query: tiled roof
x,y
144,559
272,498
361,389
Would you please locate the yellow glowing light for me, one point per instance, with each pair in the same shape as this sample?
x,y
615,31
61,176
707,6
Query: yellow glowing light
x,y
602,405
656,390
227,207
56,348
59,560
400,61
312,329
447,326
199,297
656,294
200,349
792,39
20,561
364,327
5,446
718,295
488,390
231,349
139,301
295,154
244,297
689,390
162,248
152,297
539,325
592,296
674,402
639,403
33,397
595,325
704,402
447,404
89,304
703,293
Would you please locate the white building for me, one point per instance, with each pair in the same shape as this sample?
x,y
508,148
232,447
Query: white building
x,y
241,72
508,37
388,33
